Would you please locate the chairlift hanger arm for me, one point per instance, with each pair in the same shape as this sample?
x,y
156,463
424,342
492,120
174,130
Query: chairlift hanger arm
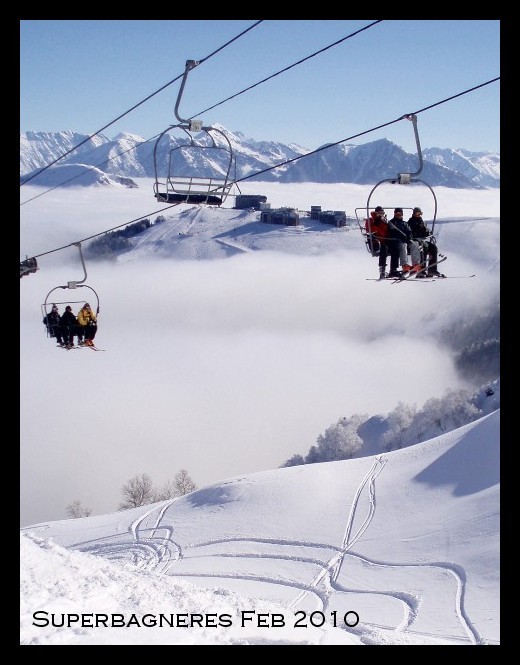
x,y
72,285
405,178
30,265
194,125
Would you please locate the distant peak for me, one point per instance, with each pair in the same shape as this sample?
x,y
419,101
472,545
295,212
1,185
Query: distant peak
x,y
127,136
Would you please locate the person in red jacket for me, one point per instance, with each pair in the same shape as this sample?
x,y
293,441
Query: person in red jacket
x,y
377,232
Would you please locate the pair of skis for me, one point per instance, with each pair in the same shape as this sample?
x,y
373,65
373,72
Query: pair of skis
x,y
407,275
416,273
80,346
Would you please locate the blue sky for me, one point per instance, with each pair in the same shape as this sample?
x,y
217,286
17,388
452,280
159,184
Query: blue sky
x,y
82,74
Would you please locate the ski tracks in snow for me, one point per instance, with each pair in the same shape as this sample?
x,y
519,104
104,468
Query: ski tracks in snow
x,y
153,548
411,602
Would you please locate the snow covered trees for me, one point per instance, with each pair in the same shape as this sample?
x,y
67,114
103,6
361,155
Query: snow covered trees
x,y
405,426
75,509
341,440
399,421
182,484
139,490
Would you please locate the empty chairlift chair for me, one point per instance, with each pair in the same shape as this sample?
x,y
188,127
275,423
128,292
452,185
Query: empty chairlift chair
x,y
201,169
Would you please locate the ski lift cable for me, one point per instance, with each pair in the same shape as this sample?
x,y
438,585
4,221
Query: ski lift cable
x,y
79,175
425,108
198,62
368,131
294,159
448,99
122,115
218,104
101,233
299,62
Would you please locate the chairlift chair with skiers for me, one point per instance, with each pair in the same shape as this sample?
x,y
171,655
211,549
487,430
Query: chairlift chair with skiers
x,y
51,298
363,214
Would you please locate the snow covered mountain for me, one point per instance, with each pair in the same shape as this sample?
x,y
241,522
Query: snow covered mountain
x,y
480,167
130,156
80,175
369,163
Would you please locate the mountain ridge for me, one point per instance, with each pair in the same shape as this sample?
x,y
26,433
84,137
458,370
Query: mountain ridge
x,y
128,155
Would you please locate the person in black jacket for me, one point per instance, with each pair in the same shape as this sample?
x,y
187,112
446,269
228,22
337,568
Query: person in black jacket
x,y
422,234
70,327
52,323
400,242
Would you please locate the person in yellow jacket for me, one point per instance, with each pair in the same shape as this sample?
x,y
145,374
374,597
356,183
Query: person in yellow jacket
x,y
87,321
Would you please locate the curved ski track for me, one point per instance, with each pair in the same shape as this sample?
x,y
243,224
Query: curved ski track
x,y
153,548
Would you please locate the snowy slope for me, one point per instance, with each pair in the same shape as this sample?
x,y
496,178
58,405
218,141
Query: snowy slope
x,y
406,542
